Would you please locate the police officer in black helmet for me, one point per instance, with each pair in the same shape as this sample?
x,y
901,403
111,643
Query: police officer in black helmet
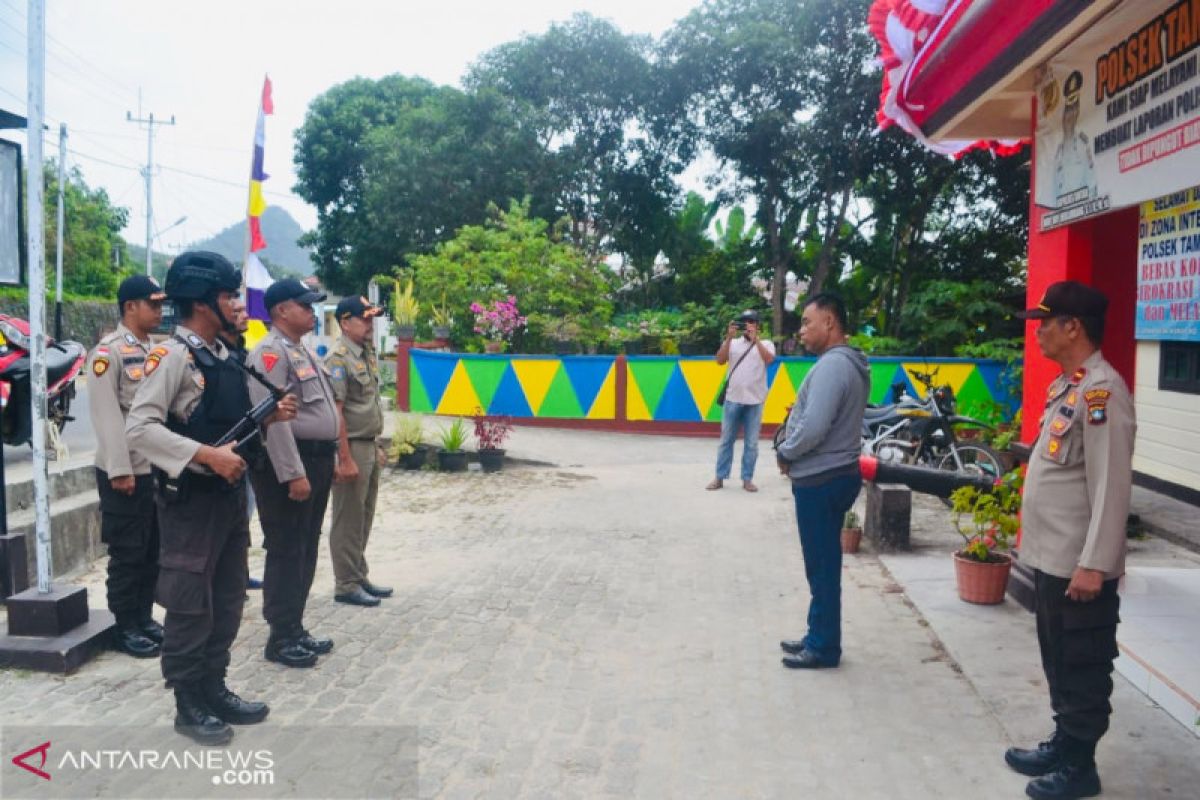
x,y
192,394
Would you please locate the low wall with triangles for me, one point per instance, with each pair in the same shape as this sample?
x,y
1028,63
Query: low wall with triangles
x,y
649,389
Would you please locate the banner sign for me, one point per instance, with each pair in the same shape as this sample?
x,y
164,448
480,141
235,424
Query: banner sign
x,y
1168,290
1119,112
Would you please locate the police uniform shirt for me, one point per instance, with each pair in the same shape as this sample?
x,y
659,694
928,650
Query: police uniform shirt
x,y
1080,475
115,370
1073,169
291,366
172,386
354,374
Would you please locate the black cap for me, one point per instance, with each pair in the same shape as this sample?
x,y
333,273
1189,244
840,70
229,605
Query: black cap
x,y
749,315
289,289
1072,86
356,307
139,287
1068,299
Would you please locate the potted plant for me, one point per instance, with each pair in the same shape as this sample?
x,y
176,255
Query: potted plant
x,y
407,449
851,533
404,311
490,434
452,457
987,521
442,321
497,322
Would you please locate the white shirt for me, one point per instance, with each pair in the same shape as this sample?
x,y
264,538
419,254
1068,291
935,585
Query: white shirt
x,y
748,383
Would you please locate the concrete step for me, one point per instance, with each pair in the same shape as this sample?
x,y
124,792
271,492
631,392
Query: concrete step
x,y
72,477
74,533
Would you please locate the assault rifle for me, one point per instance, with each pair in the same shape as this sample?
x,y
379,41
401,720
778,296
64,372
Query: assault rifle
x,y
249,427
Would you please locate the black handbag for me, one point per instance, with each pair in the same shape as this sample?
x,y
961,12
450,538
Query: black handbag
x,y
725,385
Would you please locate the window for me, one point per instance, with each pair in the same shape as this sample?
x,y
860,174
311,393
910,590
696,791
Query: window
x,y
1179,367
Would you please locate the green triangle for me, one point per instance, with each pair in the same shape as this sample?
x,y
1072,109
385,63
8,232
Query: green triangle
x,y
485,375
418,398
652,378
714,411
974,398
560,400
881,382
797,370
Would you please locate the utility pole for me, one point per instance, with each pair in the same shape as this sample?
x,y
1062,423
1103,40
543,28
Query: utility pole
x,y
58,253
149,121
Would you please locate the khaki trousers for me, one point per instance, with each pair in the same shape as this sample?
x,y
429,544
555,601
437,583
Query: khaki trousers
x,y
353,514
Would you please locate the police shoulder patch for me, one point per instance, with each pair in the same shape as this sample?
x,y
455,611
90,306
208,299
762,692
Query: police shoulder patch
x,y
269,358
99,366
337,372
155,356
1097,406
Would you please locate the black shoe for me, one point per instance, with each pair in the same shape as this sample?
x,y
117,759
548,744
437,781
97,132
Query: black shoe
x,y
357,598
314,645
806,659
228,706
194,720
1068,782
290,653
254,583
1043,759
151,629
376,591
131,641
792,646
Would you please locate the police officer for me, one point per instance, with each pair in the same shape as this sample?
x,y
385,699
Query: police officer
x,y
191,395
1073,165
127,519
293,487
1073,518
354,372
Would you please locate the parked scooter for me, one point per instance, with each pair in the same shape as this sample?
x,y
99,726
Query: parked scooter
x,y
64,361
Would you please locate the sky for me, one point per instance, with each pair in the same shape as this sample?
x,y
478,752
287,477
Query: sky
x,y
204,62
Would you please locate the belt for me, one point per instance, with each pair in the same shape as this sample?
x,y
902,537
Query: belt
x,y
363,438
316,447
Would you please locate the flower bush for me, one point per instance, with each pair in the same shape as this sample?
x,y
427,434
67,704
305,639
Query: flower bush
x,y
988,521
491,432
500,320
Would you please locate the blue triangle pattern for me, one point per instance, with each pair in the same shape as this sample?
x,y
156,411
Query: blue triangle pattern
x,y
587,374
509,399
435,374
676,403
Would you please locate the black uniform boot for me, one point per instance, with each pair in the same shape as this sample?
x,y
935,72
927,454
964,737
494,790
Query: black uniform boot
x,y
128,638
1075,776
151,629
313,644
228,706
1041,760
194,719
290,653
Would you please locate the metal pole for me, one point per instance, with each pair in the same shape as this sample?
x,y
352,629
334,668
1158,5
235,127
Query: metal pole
x,y
149,190
58,253
37,284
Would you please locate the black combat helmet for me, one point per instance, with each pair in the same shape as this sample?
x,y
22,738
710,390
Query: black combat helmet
x,y
200,275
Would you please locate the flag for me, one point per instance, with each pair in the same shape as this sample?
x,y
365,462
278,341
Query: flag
x,y
255,277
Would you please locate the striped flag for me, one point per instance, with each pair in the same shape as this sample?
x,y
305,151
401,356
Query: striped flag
x,y
254,274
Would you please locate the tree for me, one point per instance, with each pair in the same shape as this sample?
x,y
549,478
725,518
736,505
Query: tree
x,y
91,235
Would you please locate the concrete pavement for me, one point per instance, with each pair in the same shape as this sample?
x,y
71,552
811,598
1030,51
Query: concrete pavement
x,y
604,627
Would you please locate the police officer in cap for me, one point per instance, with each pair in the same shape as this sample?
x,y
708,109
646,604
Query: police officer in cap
x,y
192,394
1073,166
292,489
127,519
1073,519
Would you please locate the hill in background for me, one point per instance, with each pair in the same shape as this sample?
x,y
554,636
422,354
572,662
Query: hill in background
x,y
282,255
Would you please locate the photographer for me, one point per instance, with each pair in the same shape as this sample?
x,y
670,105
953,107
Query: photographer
x,y
746,390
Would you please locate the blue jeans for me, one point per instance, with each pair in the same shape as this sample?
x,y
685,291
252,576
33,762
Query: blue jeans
x,y
749,419
819,513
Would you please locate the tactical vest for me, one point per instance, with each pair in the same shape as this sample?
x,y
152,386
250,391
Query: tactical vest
x,y
225,401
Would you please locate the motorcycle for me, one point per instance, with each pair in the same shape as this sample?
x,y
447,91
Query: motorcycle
x,y
922,431
64,361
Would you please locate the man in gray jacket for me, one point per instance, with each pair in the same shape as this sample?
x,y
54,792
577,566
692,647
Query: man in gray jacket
x,y
820,455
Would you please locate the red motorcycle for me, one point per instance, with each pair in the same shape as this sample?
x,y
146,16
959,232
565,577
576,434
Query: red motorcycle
x,y
64,360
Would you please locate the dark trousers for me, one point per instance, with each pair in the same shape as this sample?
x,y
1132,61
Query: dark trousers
x,y
820,511
292,536
1078,643
129,526
202,580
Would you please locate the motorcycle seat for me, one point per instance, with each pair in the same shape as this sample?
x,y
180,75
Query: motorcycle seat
x,y
879,412
60,362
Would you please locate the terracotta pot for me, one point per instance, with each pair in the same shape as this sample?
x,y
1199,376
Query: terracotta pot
x,y
982,583
851,537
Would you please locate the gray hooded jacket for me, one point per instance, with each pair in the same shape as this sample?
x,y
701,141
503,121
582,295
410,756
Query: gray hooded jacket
x,y
824,429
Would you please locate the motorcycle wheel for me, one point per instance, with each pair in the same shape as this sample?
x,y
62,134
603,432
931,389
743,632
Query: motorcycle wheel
x,y
978,459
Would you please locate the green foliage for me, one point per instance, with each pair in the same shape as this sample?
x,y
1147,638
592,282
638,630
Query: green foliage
x,y
879,345
987,521
850,520
408,434
454,437
404,305
91,236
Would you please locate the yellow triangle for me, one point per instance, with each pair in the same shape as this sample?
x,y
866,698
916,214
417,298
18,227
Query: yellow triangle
x,y
954,374
781,395
459,398
255,333
635,404
535,378
704,380
605,404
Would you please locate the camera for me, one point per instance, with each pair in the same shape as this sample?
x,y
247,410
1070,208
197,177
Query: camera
x,y
740,324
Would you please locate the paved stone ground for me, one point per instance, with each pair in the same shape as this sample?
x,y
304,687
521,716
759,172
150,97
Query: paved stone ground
x,y
603,628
